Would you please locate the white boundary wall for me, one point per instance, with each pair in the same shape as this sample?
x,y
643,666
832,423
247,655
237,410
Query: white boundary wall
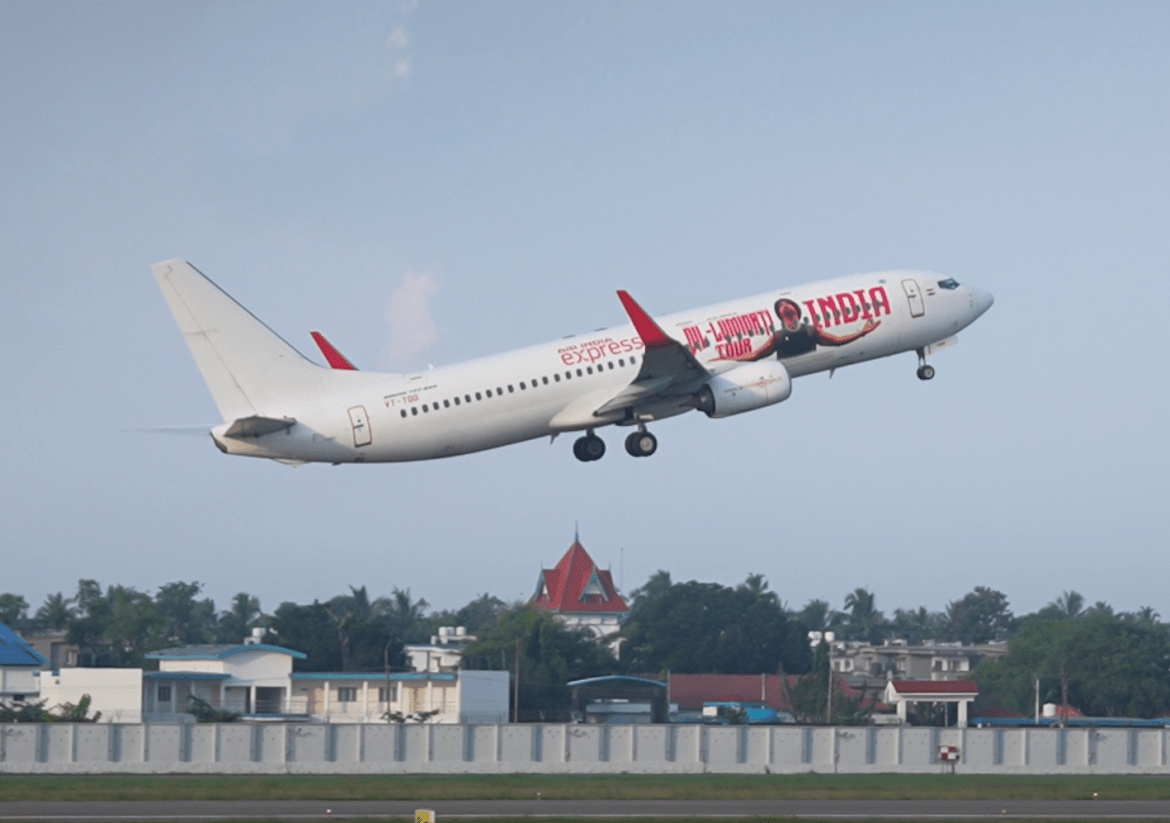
x,y
277,748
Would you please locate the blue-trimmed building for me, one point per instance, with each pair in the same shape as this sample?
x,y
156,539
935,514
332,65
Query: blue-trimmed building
x,y
256,680
20,667
246,678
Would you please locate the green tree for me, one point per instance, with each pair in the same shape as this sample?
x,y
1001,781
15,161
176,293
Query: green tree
x,y
706,627
1113,666
310,630
185,620
979,616
916,625
237,622
818,616
864,622
13,610
55,613
407,617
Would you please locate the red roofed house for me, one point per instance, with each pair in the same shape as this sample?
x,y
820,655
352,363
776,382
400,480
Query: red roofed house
x,y
580,594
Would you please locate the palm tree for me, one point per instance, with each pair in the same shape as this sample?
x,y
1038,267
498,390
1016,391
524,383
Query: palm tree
x,y
405,615
1069,604
865,621
56,611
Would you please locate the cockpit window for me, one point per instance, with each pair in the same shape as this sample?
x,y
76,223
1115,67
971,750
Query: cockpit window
x,y
949,283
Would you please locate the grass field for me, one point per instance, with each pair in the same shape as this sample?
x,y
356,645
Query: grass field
x,y
578,787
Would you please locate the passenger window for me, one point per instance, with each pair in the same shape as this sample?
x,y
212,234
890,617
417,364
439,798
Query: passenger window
x,y
611,365
556,377
424,408
489,392
589,370
545,379
510,389
414,410
478,396
621,361
456,400
568,375
578,372
404,412
467,398
499,390
446,404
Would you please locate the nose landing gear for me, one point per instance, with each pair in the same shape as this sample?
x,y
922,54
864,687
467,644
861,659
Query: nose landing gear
x,y
925,372
589,448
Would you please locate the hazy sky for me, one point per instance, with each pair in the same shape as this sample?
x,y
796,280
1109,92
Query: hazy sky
x,y
429,182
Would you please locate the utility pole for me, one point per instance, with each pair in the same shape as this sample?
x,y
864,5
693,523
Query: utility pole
x,y
1037,700
516,693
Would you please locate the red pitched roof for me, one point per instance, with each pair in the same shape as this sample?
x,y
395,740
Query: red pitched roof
x,y
935,686
576,585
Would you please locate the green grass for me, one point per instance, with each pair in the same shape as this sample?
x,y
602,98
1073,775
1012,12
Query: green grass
x,y
578,787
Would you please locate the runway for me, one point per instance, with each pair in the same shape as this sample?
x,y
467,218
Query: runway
x,y
399,809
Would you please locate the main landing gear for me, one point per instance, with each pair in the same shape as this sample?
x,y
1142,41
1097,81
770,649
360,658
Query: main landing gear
x,y
641,443
590,447
925,372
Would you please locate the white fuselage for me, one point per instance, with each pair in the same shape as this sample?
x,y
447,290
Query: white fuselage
x,y
556,387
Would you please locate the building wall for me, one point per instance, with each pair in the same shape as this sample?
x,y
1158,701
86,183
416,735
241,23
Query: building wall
x,y
392,748
116,693
20,680
484,697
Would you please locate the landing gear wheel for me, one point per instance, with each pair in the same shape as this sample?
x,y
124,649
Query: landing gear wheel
x,y
925,372
589,448
641,444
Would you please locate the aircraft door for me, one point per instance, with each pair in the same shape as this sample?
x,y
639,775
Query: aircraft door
x,y
917,307
362,436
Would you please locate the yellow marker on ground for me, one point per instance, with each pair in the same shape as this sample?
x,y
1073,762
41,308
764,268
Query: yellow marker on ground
x,y
424,816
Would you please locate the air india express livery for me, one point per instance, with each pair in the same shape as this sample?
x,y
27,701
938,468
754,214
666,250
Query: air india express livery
x,y
720,360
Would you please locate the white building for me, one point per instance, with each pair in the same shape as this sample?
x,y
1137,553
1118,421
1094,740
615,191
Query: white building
x,y
361,697
443,654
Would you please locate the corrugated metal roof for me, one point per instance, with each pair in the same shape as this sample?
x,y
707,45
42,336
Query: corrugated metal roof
x,y
208,651
15,652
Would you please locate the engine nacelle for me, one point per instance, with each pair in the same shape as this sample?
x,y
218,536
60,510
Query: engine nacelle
x,y
745,388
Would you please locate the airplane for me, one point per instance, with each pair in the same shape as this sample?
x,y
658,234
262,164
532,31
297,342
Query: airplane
x,y
721,360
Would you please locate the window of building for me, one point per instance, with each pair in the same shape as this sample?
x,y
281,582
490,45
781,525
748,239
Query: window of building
x,y
347,694
164,694
393,693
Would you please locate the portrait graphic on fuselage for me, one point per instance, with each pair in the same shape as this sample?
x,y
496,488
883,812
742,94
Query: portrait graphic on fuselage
x,y
796,335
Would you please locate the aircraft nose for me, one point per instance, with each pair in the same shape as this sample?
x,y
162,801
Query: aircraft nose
x,y
982,299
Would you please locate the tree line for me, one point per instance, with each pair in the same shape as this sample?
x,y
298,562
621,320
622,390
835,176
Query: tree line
x,y
1105,663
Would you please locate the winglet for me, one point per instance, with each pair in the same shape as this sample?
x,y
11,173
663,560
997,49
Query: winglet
x,y
652,335
336,359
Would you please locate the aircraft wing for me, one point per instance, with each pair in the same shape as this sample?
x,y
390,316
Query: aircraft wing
x,y
669,369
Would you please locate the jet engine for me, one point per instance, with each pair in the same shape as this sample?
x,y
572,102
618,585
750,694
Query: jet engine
x,y
745,388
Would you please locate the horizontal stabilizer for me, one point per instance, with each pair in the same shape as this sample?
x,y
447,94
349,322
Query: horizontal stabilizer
x,y
256,425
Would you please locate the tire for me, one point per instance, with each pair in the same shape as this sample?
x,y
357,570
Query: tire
x,y
641,444
925,372
592,447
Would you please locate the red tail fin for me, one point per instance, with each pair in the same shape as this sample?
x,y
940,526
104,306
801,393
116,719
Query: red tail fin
x,y
335,358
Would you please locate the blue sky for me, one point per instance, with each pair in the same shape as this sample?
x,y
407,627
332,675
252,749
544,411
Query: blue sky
x,y
429,182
